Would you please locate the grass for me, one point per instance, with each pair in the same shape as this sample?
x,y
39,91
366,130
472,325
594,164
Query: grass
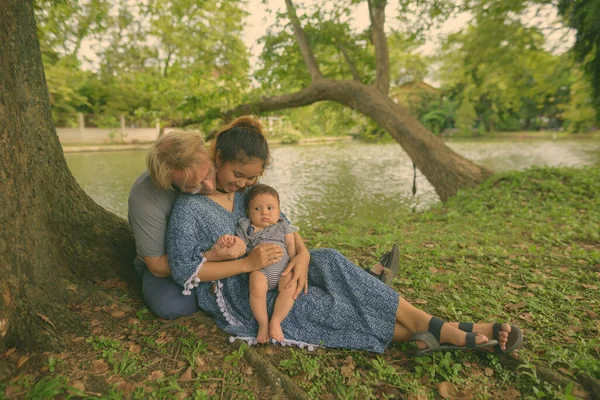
x,y
523,247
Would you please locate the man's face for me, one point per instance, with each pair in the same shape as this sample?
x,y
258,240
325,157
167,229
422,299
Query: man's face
x,y
195,180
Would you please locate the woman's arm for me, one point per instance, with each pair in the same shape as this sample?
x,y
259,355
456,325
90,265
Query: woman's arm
x,y
261,256
299,266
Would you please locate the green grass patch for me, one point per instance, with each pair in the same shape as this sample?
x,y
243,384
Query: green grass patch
x,y
523,247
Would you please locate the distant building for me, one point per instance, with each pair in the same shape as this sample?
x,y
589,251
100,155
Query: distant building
x,y
413,94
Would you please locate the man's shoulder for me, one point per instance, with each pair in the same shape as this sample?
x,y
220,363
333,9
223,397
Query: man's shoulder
x,y
144,188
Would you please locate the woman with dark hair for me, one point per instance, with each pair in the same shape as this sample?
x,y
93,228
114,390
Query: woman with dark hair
x,y
343,306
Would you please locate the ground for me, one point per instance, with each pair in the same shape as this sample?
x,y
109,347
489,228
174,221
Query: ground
x,y
524,247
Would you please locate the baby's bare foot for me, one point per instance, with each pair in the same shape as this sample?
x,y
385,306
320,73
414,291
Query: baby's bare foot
x,y
276,332
263,334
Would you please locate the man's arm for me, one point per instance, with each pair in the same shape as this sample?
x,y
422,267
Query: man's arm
x,y
158,266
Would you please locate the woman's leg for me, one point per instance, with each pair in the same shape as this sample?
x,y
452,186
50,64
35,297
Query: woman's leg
x,y
410,320
258,304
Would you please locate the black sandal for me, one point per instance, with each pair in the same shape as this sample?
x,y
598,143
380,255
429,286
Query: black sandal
x,y
391,265
432,339
515,337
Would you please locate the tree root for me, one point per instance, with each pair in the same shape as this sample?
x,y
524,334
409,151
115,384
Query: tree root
x,y
585,386
265,369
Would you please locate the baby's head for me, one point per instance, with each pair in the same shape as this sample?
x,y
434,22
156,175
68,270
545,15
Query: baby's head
x,y
263,206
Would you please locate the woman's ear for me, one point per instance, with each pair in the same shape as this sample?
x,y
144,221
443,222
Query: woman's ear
x,y
218,157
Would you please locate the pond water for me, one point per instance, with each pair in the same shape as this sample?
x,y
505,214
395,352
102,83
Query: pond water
x,y
338,181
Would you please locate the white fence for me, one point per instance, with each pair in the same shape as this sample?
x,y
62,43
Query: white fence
x,y
122,134
105,136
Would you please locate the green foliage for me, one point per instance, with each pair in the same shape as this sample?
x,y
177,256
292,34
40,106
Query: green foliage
x,y
579,113
583,16
465,117
501,67
160,59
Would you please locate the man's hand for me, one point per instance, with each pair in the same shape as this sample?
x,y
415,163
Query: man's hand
x,y
298,266
224,253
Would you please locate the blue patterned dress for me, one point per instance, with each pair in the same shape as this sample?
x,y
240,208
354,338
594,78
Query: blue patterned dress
x,y
345,307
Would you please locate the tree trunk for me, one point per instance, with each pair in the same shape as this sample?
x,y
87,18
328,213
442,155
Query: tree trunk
x,y
54,241
445,169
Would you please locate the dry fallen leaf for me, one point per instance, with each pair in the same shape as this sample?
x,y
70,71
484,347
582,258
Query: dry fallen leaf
x,y
347,370
527,317
10,351
419,301
22,361
99,367
46,319
591,314
575,297
156,374
488,371
528,294
78,385
248,370
515,306
592,287
446,389
135,348
187,375
118,314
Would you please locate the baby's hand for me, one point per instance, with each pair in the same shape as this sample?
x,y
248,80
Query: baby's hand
x,y
227,240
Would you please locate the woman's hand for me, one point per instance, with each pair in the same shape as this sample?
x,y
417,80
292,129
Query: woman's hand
x,y
299,268
220,252
263,255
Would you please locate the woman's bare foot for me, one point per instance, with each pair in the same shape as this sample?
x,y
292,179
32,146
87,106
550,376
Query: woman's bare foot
x,y
488,330
450,334
275,331
263,334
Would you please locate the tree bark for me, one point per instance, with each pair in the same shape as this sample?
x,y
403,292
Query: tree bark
x,y
307,54
382,56
55,241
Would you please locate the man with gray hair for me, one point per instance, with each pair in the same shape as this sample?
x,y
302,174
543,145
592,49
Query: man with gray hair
x,y
178,162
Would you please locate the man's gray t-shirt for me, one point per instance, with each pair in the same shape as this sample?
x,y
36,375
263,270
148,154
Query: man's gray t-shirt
x,y
148,214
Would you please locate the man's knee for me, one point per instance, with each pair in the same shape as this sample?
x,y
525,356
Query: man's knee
x,y
163,296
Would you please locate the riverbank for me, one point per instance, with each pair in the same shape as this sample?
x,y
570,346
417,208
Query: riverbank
x,y
83,147
526,135
523,247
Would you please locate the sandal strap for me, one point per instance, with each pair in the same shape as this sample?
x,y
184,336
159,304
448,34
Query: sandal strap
x,y
435,327
497,327
465,326
471,342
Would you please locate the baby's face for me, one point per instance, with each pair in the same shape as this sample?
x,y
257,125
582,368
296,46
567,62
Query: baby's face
x,y
263,210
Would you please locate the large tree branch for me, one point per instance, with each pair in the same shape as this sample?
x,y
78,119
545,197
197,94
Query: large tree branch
x,y
307,53
377,16
351,65
315,92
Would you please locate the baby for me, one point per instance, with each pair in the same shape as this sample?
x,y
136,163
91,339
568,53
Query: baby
x,y
264,225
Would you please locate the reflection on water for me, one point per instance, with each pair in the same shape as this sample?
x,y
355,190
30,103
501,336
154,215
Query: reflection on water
x,y
339,181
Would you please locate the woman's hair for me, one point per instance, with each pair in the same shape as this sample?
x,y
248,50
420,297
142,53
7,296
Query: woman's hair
x,y
242,140
261,188
177,150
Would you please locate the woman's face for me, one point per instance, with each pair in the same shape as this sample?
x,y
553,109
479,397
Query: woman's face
x,y
232,175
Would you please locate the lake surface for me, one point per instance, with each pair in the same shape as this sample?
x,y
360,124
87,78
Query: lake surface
x,y
343,180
